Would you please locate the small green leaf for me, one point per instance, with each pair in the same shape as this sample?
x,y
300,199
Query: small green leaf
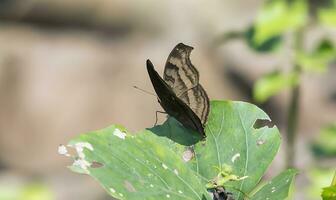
x,y
318,60
31,191
318,179
268,45
329,193
273,83
279,16
277,188
327,17
325,145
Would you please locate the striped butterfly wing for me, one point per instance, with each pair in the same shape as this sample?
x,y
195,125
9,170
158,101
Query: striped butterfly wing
x,y
183,78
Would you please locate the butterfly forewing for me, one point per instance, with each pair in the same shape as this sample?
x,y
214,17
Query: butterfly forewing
x,y
181,75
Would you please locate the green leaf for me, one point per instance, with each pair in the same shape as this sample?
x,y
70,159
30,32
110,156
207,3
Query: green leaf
x,y
151,166
279,16
327,17
273,83
318,179
268,45
277,188
329,193
318,60
31,191
325,144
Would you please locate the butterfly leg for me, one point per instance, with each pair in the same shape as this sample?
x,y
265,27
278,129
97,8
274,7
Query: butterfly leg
x,y
156,116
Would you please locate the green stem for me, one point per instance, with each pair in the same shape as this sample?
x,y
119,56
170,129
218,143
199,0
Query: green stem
x,y
293,109
292,125
333,183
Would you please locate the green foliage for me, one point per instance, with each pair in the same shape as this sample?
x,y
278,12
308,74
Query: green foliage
x,y
273,83
279,16
26,192
329,193
327,16
277,188
319,59
148,165
267,45
325,145
318,178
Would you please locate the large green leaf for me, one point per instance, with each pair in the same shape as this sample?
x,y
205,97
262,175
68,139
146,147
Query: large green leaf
x,y
273,83
232,140
152,164
279,16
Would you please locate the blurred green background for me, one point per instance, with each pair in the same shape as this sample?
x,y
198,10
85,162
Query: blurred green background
x,y
68,67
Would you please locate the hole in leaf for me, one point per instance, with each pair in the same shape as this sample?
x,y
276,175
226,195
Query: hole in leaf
x,y
260,123
96,164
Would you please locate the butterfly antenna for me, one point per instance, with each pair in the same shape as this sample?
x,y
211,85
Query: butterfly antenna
x,y
144,91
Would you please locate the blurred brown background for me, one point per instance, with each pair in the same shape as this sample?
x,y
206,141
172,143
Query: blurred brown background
x,y
68,67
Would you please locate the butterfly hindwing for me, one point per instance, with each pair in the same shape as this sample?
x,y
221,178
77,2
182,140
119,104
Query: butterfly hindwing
x,y
197,99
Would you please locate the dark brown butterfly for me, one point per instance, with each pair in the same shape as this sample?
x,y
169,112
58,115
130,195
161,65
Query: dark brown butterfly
x,y
179,92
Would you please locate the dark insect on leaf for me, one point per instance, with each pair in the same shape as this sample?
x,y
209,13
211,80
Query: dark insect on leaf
x,y
179,91
220,193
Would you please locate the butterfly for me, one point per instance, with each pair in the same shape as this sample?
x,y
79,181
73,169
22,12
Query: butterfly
x,y
179,91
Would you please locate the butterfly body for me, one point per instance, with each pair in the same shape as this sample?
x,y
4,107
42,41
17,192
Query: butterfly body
x,y
179,92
